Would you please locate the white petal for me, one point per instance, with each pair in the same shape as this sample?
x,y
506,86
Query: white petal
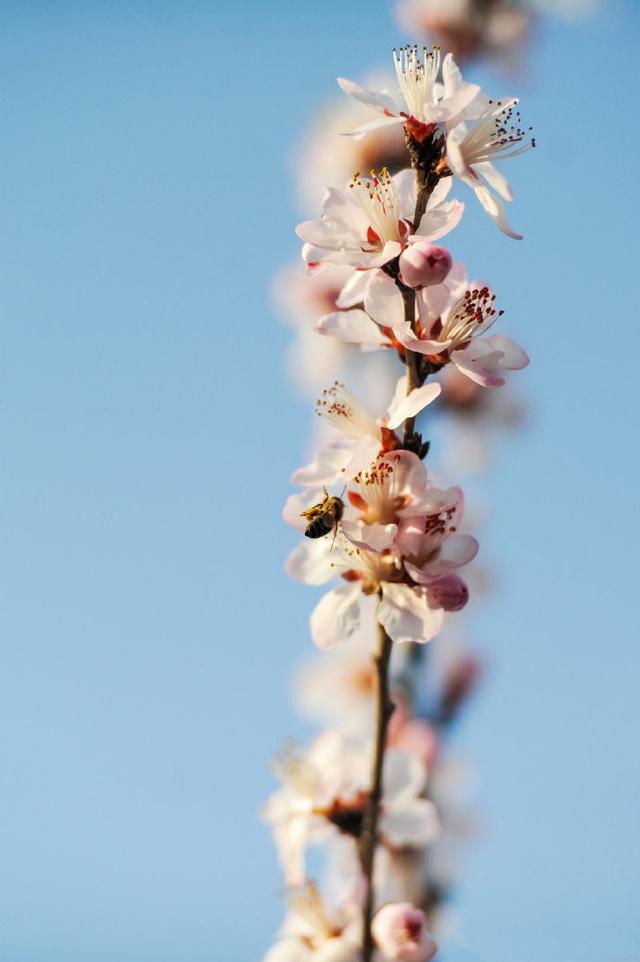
x,y
405,406
414,823
404,775
440,192
439,221
495,210
289,950
299,502
406,616
327,467
355,289
336,616
370,537
354,327
495,179
311,562
383,301
377,99
378,124
405,184
514,357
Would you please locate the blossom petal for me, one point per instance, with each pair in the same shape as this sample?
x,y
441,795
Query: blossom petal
x,y
354,327
370,537
289,950
439,221
414,823
495,210
406,189
484,360
404,775
450,593
378,124
514,358
405,614
328,465
457,550
383,301
354,290
299,502
406,336
495,178
381,100
310,562
336,616
405,405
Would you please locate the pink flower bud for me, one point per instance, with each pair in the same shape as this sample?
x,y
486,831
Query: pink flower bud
x,y
424,264
400,932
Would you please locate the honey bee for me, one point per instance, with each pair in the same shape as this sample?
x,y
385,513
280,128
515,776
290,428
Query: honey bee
x,y
324,517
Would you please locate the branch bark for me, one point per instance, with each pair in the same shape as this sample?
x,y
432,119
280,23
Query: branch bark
x,y
369,837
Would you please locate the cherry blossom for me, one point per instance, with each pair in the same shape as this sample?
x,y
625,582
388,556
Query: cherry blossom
x,y
324,791
422,100
496,135
363,438
312,933
400,931
370,222
452,333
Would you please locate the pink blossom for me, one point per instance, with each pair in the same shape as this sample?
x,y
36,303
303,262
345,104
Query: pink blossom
x,y
400,931
424,264
422,101
497,134
371,222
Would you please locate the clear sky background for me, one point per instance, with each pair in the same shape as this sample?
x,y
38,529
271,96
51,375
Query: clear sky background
x,y
147,432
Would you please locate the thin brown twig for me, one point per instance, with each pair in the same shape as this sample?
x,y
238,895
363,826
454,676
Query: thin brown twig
x,y
369,836
425,182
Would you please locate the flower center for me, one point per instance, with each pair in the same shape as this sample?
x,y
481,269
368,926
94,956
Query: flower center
x,y
497,134
341,409
472,314
417,77
378,199
376,497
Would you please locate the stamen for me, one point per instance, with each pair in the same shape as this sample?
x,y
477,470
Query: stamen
x,y
378,199
344,411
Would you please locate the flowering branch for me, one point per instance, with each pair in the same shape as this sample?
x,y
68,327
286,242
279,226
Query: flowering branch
x,y
390,534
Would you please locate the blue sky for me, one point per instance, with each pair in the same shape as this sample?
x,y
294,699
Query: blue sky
x,y
147,431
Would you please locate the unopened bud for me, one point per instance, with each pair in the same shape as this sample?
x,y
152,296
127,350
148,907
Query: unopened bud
x,y
424,264
400,931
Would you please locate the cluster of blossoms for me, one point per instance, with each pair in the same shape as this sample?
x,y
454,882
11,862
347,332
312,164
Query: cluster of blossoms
x,y
377,789
497,30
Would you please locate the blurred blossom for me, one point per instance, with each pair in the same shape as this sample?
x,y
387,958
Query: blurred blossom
x,y
325,791
400,931
496,29
325,156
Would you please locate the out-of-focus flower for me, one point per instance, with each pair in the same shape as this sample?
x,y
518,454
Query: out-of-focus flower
x,y
412,734
407,612
346,671
468,28
325,790
325,157
302,298
496,135
371,222
312,933
422,100
401,934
